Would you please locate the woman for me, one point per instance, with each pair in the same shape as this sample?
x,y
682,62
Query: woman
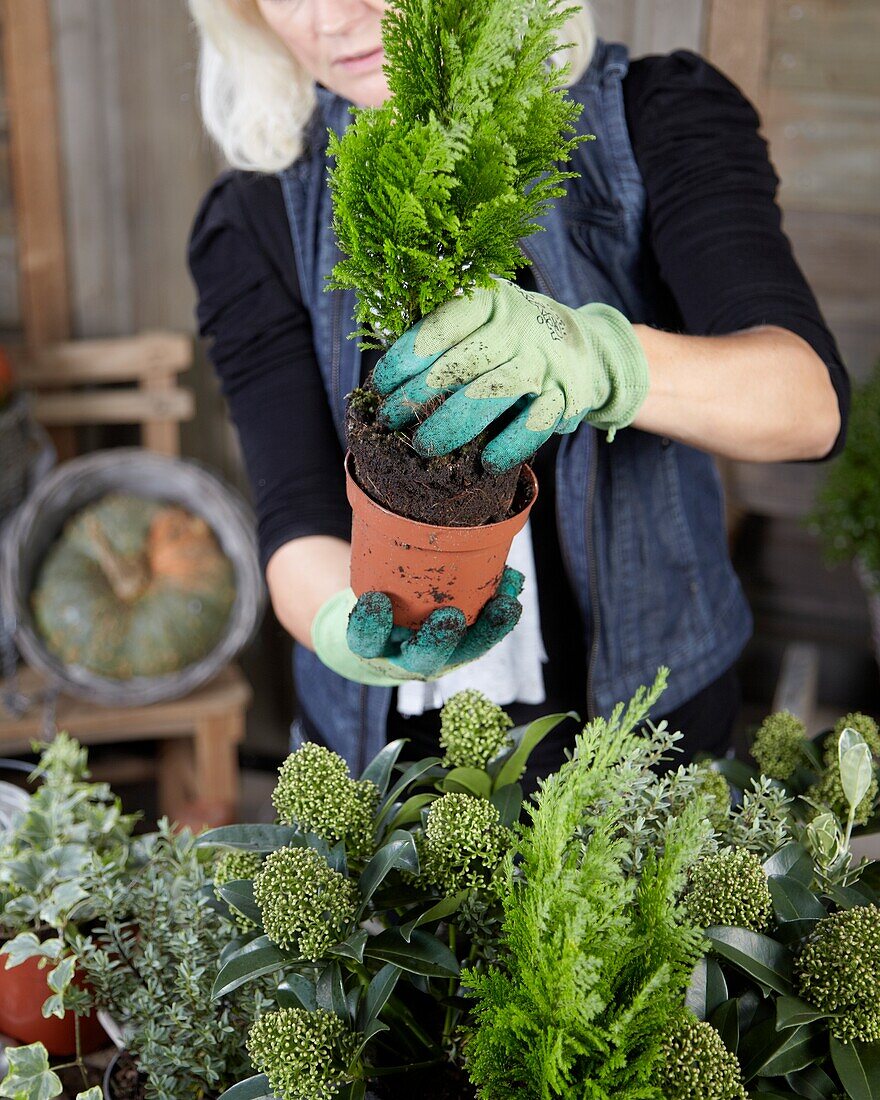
x,y
671,224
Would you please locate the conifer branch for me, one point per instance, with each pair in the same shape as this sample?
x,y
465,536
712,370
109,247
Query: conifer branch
x,y
433,190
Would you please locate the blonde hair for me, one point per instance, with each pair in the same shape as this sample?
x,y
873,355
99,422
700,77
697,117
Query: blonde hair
x,y
256,100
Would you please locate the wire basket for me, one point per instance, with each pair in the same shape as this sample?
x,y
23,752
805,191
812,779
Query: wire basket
x,y
78,483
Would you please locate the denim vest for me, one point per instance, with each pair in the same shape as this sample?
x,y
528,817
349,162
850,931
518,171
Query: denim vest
x,y
640,520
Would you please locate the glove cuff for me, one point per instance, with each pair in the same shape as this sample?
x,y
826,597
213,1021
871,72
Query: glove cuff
x,y
627,367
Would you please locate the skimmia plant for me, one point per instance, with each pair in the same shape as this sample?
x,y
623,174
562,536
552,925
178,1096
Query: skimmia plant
x,y
363,899
792,980
527,954
433,190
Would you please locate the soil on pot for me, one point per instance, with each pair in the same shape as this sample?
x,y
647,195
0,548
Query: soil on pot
x,y
126,1081
448,491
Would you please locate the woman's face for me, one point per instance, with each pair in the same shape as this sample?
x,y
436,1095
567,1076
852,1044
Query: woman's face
x,y
338,41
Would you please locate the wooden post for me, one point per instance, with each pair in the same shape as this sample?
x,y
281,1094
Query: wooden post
x,y
737,41
36,179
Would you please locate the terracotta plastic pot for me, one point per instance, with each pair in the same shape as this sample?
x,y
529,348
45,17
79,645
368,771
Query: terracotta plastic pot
x,y
422,567
23,990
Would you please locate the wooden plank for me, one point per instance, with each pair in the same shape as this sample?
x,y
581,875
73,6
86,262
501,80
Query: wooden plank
x,y
661,26
798,685
614,19
92,126
825,44
737,41
27,42
113,407
94,724
216,768
826,148
162,436
839,255
122,359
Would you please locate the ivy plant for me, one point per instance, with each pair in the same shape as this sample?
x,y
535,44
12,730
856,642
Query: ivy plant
x,y
70,827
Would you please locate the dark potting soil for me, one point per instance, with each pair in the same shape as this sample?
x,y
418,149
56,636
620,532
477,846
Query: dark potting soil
x,y
448,491
126,1081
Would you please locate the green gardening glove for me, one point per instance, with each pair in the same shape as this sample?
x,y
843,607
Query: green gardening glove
x,y
358,639
508,348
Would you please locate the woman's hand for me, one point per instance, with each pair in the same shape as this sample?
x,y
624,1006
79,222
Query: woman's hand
x,y
506,348
357,637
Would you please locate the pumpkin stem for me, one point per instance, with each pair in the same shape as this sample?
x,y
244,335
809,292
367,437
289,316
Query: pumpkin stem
x,y
127,576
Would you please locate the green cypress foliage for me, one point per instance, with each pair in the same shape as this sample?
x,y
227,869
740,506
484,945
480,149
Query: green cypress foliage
x,y
433,190
593,962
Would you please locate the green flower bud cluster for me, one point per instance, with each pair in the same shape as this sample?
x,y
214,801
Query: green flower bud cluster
x,y
862,724
828,794
714,788
838,971
235,866
778,745
304,1054
316,792
694,1062
463,842
729,888
304,903
472,729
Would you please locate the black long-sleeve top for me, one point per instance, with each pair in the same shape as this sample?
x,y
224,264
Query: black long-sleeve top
x,y
715,232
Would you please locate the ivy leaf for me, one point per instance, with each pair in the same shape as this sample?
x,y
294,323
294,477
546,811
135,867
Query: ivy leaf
x,y
858,1067
53,1006
29,1076
26,946
94,1093
765,960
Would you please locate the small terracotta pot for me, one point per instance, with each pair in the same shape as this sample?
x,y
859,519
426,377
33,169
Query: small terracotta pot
x,y
23,990
422,567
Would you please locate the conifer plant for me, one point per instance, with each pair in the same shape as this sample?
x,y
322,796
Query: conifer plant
x,y
432,193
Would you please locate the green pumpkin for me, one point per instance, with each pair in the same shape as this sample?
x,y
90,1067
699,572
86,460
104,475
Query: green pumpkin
x,y
133,587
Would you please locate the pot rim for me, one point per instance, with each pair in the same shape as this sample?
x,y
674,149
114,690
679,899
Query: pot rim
x,y
437,537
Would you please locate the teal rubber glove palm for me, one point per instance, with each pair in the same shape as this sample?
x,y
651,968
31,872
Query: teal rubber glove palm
x,y
504,349
358,639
